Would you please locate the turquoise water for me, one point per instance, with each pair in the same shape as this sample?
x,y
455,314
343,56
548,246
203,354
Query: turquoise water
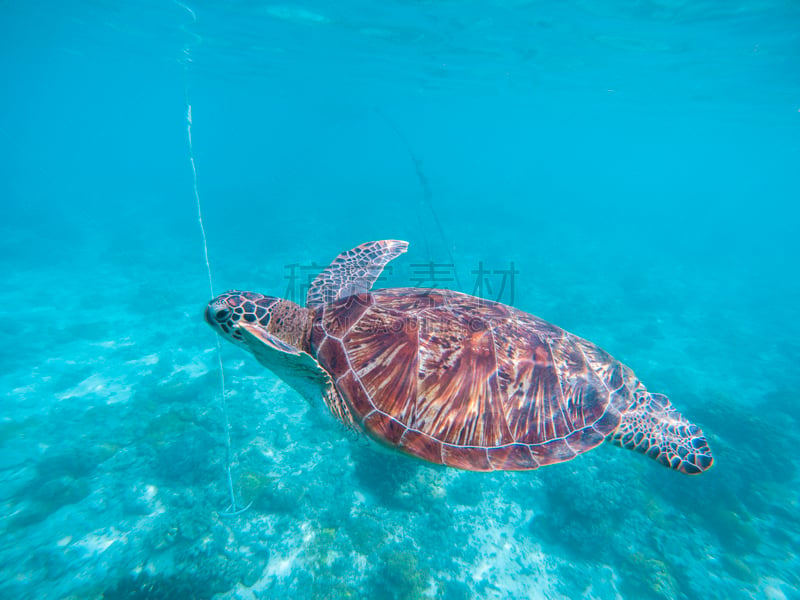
x,y
636,164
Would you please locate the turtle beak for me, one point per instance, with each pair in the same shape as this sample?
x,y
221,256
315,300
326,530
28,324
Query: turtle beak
x,y
217,312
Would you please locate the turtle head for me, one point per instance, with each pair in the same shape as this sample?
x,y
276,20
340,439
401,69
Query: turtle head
x,y
227,312
248,318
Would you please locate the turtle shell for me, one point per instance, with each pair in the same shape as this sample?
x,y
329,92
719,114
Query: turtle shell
x,y
466,382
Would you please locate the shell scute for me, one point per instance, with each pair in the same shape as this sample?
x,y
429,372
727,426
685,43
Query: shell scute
x,y
339,318
473,459
554,451
421,445
459,399
399,299
467,308
384,428
351,390
514,457
332,356
608,421
585,438
382,350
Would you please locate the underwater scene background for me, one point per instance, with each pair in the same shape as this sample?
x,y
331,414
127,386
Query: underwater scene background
x,y
630,166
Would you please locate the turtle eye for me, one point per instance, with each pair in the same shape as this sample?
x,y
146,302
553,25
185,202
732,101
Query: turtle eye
x,y
222,314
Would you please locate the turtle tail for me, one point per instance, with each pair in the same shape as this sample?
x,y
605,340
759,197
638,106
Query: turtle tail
x,y
653,427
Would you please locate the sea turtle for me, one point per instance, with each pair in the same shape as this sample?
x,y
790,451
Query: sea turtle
x,y
451,378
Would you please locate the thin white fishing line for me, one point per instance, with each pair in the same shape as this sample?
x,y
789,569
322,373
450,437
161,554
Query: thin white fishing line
x,y
226,422
197,192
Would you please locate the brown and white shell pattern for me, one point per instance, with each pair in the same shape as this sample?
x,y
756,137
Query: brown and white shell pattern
x,y
468,383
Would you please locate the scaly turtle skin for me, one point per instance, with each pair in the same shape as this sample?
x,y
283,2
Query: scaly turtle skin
x,y
451,378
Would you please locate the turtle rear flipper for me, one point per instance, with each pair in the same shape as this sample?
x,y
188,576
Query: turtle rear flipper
x,y
653,427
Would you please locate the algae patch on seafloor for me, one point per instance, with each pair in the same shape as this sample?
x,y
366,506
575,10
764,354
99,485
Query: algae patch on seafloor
x,y
162,587
647,577
401,577
268,494
165,427
327,557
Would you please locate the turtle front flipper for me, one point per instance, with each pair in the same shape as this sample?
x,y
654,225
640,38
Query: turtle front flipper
x,y
297,368
353,272
653,427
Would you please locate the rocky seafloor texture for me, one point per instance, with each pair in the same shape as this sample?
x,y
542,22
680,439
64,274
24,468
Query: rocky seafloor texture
x,y
113,481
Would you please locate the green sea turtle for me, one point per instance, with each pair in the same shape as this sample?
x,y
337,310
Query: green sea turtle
x,y
451,378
